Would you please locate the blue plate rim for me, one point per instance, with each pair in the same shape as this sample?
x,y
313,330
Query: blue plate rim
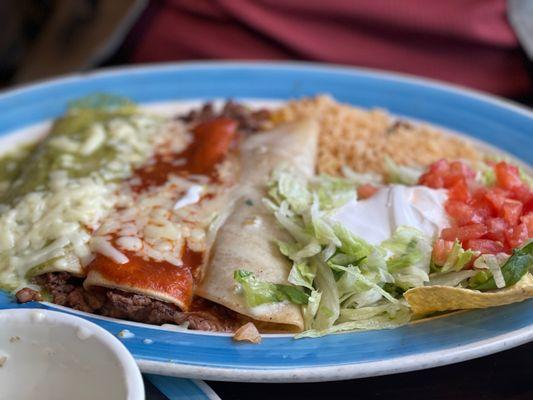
x,y
348,370
207,64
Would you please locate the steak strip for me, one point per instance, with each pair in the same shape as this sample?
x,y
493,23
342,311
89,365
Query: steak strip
x,y
67,290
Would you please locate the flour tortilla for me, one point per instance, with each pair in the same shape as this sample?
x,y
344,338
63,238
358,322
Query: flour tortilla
x,y
429,299
247,240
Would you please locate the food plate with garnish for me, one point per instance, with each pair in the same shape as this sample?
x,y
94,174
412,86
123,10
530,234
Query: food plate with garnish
x,y
271,222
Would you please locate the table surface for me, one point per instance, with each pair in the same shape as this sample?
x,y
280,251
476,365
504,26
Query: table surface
x,y
507,375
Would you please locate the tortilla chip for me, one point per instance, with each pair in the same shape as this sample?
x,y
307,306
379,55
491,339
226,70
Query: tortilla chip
x,y
429,299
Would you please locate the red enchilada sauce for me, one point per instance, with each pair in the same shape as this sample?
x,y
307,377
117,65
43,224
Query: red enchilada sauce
x,y
153,276
211,143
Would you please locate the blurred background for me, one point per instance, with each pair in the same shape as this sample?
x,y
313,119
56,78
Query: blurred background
x,y
482,44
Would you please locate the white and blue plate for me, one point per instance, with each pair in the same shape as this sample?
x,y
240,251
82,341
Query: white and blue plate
x,y
439,341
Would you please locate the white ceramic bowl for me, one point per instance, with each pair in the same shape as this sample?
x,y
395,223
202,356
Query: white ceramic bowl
x,y
51,355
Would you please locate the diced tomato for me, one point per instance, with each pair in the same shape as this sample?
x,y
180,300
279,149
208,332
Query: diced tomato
x,y
516,236
441,166
460,168
458,171
443,174
528,221
487,219
485,246
365,191
496,229
483,209
528,207
431,180
478,192
459,191
441,250
522,194
496,196
510,211
466,232
461,213
434,177
507,176
450,180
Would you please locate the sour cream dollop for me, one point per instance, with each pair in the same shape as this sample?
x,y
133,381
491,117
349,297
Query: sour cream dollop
x,y
375,219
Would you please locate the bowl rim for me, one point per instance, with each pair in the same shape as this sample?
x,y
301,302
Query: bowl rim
x,y
132,375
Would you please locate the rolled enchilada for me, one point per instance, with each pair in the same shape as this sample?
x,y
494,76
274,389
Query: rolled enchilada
x,y
156,241
248,239
60,191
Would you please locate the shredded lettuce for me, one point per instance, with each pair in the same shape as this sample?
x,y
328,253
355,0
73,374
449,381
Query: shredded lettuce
x,y
292,188
257,292
503,270
485,174
322,229
376,262
358,178
401,173
410,257
332,192
480,278
350,245
296,252
359,284
495,269
458,258
363,313
494,263
453,278
366,318
329,307
303,274
311,309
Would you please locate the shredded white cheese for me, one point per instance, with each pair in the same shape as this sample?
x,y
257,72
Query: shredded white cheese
x,y
103,246
94,141
47,225
159,222
50,228
130,243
